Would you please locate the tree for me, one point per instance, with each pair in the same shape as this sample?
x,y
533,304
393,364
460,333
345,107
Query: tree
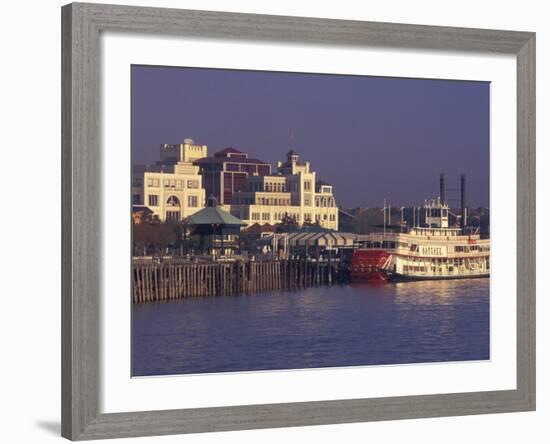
x,y
153,236
152,219
364,220
312,226
288,224
247,241
185,241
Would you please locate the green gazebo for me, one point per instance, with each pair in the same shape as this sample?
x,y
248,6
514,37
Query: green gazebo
x,y
218,226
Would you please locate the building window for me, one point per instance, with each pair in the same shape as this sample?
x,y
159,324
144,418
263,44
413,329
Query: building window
x,y
153,200
265,216
173,216
192,201
255,216
149,182
192,184
173,201
307,185
307,201
136,199
264,170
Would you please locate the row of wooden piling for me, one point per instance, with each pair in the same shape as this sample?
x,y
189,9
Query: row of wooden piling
x,y
164,281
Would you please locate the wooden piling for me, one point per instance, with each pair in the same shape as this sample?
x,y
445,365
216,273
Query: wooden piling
x,y
153,282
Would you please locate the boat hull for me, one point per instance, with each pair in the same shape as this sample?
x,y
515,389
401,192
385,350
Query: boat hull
x,y
370,266
379,265
405,278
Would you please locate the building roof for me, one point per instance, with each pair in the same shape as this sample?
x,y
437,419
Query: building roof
x,y
314,228
143,208
320,239
229,150
205,160
214,215
258,228
320,183
292,152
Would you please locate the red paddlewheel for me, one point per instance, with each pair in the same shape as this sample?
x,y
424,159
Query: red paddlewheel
x,y
368,265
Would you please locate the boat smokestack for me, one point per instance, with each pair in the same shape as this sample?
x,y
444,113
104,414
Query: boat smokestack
x,y
442,187
463,200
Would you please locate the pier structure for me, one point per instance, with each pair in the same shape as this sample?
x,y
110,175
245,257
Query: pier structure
x,y
326,244
173,279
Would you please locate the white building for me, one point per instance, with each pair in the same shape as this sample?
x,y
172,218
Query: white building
x,y
293,191
173,188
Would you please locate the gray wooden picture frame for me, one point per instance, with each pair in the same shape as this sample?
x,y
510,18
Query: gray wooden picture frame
x,y
81,232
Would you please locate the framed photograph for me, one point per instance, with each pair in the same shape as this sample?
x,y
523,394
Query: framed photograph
x,y
278,221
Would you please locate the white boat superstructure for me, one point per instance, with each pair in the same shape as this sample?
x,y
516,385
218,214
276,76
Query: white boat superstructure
x,y
432,251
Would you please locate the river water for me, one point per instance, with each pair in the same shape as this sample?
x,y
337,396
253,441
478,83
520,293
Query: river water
x,y
348,325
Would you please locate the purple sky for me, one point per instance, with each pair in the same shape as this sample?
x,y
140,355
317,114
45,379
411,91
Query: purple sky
x,y
371,137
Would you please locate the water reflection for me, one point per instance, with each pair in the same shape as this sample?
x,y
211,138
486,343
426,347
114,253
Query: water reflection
x,y
438,292
319,327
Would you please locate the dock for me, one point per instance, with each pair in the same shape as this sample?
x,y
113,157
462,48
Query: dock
x,y
167,280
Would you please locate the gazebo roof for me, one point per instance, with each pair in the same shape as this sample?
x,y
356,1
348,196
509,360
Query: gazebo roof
x,y
214,215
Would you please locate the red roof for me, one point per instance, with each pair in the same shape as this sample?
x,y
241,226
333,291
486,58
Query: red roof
x,y
229,149
230,152
229,160
258,229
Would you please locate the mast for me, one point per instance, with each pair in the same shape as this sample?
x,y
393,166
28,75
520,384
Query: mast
x,y
442,187
384,210
463,222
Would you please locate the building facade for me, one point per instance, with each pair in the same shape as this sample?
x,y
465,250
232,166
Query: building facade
x,y
226,172
186,152
178,185
293,191
172,189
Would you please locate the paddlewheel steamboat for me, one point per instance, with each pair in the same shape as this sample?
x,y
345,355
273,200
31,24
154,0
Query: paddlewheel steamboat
x,y
431,251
